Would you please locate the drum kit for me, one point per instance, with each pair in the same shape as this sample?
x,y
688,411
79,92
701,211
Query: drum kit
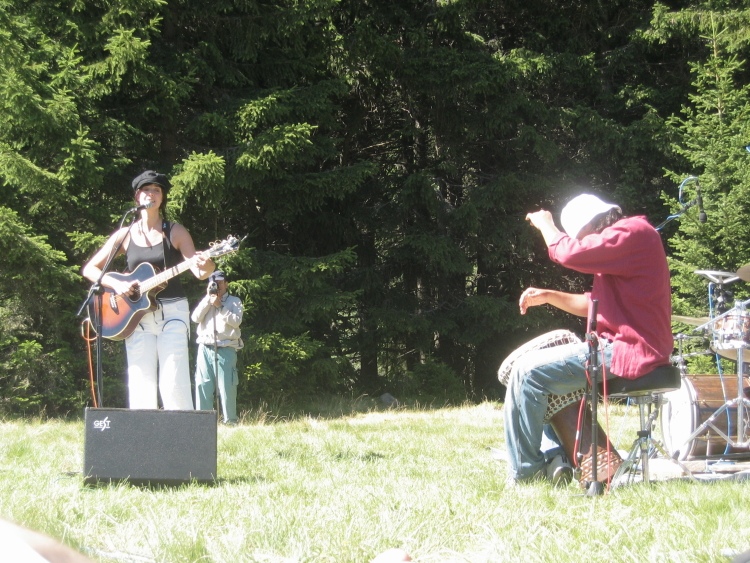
x,y
708,417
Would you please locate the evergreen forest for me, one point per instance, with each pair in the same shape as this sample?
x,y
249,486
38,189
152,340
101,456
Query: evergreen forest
x,y
378,156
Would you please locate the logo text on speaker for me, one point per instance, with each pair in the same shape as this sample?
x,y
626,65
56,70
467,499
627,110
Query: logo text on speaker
x,y
102,424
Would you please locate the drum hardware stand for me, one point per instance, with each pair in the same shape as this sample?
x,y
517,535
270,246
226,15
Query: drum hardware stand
x,y
645,444
741,402
716,288
680,359
722,296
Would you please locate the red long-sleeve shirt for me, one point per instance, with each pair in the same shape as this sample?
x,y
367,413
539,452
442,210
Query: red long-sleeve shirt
x,y
631,282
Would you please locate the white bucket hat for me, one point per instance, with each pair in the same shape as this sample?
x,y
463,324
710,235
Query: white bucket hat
x,y
581,210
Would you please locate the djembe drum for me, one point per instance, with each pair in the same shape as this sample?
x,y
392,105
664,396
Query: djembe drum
x,y
563,414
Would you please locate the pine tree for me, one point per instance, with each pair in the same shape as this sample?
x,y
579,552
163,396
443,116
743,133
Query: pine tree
x,y
380,159
711,135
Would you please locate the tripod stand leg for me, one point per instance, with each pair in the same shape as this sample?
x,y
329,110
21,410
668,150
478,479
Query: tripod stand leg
x,y
630,465
643,444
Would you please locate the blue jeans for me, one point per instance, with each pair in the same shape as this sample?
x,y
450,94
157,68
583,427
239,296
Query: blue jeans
x,y
207,379
536,375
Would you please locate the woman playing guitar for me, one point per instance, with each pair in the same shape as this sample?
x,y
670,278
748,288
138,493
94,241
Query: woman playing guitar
x,y
154,323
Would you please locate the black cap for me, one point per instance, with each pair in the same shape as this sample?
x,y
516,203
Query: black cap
x,y
151,177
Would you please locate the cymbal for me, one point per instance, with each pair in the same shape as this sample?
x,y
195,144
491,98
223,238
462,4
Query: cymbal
x,y
744,272
723,277
730,353
692,321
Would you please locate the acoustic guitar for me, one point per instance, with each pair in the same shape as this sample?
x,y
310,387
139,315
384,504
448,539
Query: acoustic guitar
x,y
122,313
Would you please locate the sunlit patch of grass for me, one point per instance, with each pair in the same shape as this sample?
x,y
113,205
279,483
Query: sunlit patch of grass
x,y
320,487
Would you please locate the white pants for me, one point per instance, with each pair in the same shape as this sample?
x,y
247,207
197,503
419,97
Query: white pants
x,y
158,351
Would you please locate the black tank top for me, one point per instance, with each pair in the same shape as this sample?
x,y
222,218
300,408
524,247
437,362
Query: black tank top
x,y
160,256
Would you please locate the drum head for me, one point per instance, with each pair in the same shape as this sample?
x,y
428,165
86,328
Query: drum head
x,y
550,339
678,420
702,398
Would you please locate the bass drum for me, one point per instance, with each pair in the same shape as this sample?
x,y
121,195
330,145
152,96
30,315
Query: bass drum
x,y
687,408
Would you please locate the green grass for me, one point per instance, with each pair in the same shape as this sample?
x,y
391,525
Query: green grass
x,y
348,485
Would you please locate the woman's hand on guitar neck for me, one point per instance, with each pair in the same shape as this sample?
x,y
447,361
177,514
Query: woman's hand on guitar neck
x,y
204,265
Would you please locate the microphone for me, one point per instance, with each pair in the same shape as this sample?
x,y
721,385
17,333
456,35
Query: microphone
x,y
699,199
142,207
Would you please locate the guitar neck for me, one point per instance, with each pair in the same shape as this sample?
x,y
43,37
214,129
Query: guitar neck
x,y
166,275
219,249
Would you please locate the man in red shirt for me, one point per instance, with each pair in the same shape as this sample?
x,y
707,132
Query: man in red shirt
x,y
631,283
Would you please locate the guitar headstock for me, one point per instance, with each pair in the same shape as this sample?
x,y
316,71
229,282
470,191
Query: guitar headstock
x,y
220,248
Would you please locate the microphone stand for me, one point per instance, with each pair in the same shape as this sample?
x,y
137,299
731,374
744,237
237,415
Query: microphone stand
x,y
685,206
96,292
216,357
596,487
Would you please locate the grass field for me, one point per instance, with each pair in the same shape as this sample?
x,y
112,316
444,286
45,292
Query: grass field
x,y
345,487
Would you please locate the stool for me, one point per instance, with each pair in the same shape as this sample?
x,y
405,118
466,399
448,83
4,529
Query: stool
x,y
645,390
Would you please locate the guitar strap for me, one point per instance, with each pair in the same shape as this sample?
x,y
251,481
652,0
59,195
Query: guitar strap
x,y
166,228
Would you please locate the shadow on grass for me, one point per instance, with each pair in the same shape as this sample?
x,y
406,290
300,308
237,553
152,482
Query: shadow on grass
x,y
282,409
159,485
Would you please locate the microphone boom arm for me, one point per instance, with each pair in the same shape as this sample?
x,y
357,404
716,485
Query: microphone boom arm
x,y
685,206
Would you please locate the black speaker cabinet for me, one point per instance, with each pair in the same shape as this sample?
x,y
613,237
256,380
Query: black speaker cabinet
x,y
149,446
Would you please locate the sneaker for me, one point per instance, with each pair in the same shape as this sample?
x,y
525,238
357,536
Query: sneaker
x,y
559,471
